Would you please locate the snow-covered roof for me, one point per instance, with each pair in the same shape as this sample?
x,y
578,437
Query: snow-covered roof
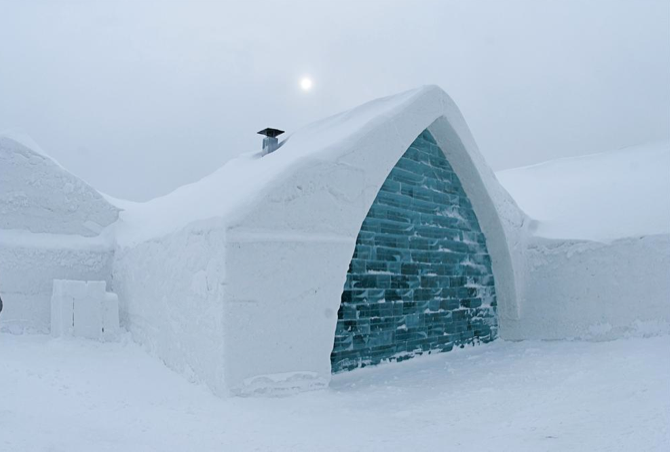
x,y
226,192
38,195
601,197
597,197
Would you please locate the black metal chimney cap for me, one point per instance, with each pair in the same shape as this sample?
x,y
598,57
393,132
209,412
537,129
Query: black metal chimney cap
x,y
269,132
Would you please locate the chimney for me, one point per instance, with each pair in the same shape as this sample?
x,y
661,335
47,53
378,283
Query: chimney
x,y
270,142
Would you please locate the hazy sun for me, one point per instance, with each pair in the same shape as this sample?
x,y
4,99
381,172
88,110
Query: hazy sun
x,y
306,83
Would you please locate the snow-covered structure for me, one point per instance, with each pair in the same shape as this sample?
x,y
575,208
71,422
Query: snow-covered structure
x,y
372,235
597,259
51,227
257,254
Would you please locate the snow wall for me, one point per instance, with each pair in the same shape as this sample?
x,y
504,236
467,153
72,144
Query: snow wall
x,y
592,290
171,297
598,260
51,227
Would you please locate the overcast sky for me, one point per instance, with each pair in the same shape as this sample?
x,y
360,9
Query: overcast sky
x,y
139,97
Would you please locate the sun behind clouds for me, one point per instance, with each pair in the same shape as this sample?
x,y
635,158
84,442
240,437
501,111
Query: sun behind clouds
x,y
306,83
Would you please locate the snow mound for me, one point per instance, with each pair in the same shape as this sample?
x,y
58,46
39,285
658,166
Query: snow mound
x,y
27,141
38,195
599,197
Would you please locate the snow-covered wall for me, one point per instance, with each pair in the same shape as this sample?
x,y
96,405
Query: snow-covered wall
x,y
50,228
592,290
598,254
171,299
30,262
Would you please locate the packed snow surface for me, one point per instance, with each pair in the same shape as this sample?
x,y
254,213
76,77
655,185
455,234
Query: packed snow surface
x,y
40,196
75,395
228,190
602,197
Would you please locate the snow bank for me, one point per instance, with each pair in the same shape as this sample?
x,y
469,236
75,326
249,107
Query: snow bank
x,y
600,197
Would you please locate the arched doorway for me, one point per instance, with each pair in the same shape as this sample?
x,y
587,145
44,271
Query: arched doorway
x,y
420,278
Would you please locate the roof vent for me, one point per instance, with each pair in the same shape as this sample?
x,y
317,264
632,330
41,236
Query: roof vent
x,y
270,142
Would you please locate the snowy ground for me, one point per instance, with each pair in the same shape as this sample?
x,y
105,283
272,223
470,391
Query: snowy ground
x,y
74,395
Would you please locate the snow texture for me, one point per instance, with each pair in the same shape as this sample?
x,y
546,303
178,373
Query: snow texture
x,y
596,291
30,262
598,257
599,197
253,257
84,309
87,307
110,317
80,396
62,310
236,280
52,226
262,246
38,195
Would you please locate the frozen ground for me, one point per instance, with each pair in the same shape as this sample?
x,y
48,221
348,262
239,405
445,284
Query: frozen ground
x,y
74,395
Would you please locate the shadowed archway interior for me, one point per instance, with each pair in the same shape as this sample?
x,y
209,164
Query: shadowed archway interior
x,y
420,279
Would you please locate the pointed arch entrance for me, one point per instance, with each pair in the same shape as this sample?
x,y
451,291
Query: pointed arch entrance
x,y
420,278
